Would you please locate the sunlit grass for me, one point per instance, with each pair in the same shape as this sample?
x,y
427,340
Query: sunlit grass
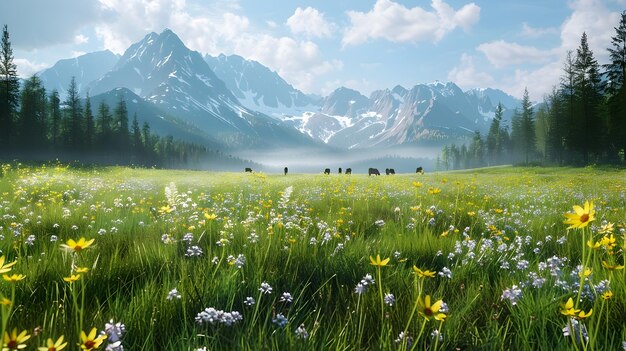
x,y
503,259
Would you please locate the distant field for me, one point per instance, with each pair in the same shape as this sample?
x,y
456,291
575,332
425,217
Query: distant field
x,y
187,260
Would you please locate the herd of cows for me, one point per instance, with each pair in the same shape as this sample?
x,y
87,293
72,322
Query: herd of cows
x,y
371,171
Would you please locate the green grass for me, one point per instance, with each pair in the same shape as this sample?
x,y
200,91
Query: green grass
x,y
315,246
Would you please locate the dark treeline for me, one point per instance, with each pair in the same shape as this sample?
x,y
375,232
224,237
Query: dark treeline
x,y
582,121
36,125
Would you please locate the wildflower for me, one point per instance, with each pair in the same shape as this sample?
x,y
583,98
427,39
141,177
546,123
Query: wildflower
x,y
513,294
606,228
423,274
360,288
4,268
114,333
582,315
30,240
607,295
301,332
210,217
445,272
265,288
194,251
53,238
82,270
581,217
15,341
379,223
249,301
286,297
402,337
54,345
173,294
4,301
77,246
91,342
585,273
378,262
427,310
577,329
165,209
280,320
436,334
610,267
390,300
72,278
13,278
568,308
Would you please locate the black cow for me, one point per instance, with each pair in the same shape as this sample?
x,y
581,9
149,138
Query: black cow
x,y
373,171
348,170
339,171
392,171
286,170
248,169
387,171
419,170
327,171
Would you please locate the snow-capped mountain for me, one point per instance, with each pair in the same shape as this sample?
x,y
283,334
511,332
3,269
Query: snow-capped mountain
x,y
259,88
427,113
85,69
162,70
242,104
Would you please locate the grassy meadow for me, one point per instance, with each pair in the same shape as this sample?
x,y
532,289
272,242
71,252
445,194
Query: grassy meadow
x,y
189,260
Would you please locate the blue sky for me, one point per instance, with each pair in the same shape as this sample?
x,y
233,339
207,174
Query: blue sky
x,y
320,45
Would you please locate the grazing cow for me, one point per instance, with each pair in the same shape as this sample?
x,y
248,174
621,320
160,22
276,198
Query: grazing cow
x,y
387,171
286,170
419,170
348,170
339,172
392,171
248,169
373,171
327,171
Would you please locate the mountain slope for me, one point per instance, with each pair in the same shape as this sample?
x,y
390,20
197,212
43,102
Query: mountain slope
x,y
162,70
257,87
84,69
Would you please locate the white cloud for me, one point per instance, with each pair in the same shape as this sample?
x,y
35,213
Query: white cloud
x,y
80,39
394,22
272,24
501,53
594,18
26,68
532,32
298,62
310,22
467,76
77,53
539,82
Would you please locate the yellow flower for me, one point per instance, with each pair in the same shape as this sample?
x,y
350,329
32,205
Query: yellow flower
x,y
434,191
585,273
378,262
423,274
5,301
417,184
72,278
77,246
608,242
583,315
15,341
82,270
593,245
606,228
607,295
166,209
90,342
568,309
606,265
13,278
427,310
54,345
581,217
4,268
210,217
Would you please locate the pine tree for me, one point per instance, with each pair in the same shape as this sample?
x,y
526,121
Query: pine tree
x,y
527,126
9,92
616,89
137,142
32,116
74,122
476,151
572,130
588,92
120,129
90,128
104,128
55,119
494,138
557,127
542,129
